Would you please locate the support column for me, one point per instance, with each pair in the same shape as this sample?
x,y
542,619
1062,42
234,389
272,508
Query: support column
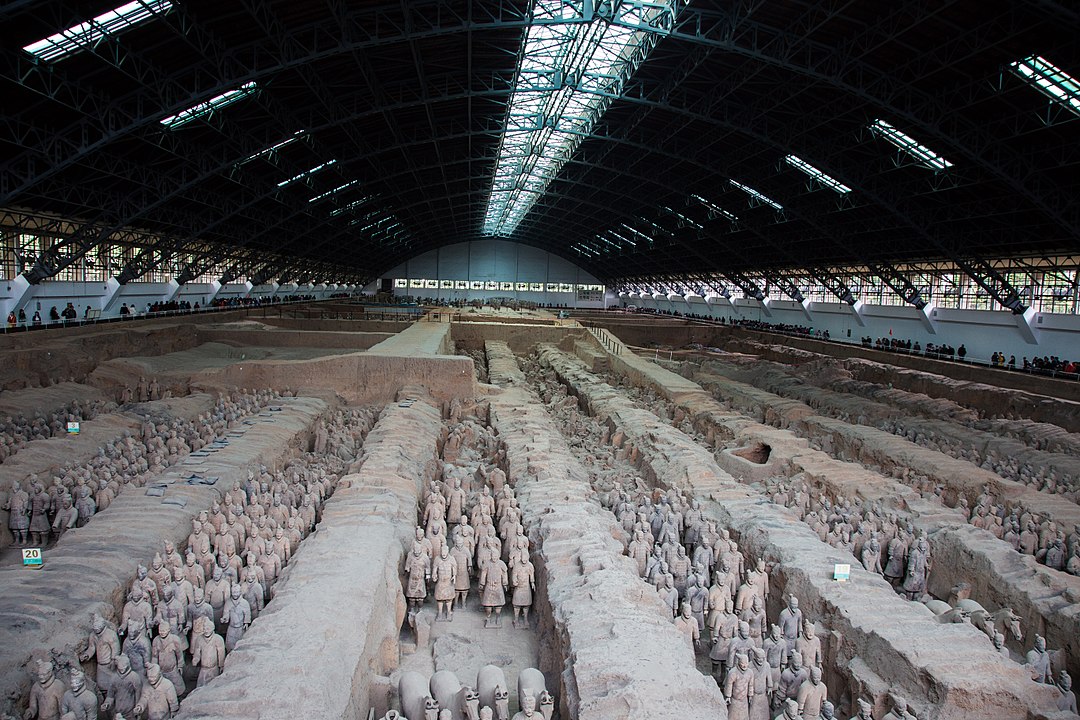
x,y
172,290
1025,323
215,288
20,293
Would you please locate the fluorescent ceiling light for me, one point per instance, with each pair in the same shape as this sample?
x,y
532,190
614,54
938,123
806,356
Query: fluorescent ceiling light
x,y
826,180
569,73
87,34
206,108
277,146
907,144
1052,81
306,173
715,209
328,193
757,196
628,241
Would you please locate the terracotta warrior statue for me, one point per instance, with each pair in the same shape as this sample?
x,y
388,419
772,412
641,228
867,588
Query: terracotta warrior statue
x,y
79,702
158,696
209,654
418,572
444,576
46,695
493,585
523,580
463,556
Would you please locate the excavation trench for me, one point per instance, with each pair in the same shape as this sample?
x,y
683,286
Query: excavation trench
x,y
618,653
330,637
881,642
49,611
985,450
462,643
1047,600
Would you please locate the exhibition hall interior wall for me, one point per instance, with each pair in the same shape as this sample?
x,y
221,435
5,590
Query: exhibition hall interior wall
x,y
982,332
496,268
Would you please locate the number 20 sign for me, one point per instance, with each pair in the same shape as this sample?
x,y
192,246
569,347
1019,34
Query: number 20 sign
x,y
31,557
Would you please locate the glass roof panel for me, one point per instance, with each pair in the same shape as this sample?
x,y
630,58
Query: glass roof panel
x,y
87,34
1050,80
570,70
907,144
307,173
206,108
328,193
716,209
757,196
826,180
276,146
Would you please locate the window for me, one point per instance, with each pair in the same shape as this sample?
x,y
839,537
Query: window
x,y
273,148
756,196
570,70
89,33
1052,81
306,173
909,146
401,283
491,285
206,108
815,174
506,287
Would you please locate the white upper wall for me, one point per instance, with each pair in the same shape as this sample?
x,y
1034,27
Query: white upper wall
x,y
498,260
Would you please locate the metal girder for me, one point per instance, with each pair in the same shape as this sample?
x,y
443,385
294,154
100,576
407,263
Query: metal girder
x,y
900,284
749,287
990,280
786,285
834,284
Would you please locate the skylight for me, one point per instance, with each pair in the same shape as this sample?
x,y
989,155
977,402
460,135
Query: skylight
x,y
569,72
715,209
826,180
757,196
206,108
907,144
351,206
328,193
306,173
1052,81
684,220
87,34
276,146
637,232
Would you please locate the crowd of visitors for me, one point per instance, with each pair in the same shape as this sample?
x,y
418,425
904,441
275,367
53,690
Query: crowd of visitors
x,y
70,315
932,350
1046,365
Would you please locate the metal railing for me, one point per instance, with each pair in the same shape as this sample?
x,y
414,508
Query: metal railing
x,y
606,339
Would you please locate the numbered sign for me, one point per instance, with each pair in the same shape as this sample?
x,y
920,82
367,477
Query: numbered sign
x,y
841,572
73,427
31,557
